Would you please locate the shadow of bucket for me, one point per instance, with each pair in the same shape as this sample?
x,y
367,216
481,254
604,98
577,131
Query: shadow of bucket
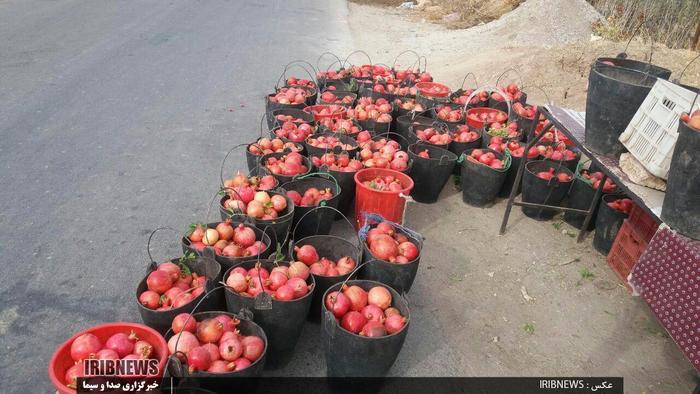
x,y
481,183
397,276
430,175
282,321
607,224
202,265
539,191
352,355
331,247
319,222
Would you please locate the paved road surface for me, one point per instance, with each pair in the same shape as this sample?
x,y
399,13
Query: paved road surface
x,y
114,119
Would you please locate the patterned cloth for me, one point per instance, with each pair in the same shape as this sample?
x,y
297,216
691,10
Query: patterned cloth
x,y
667,277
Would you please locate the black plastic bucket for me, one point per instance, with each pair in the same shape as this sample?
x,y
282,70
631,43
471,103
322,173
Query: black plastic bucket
x,y
331,247
282,321
202,265
279,226
481,183
430,175
252,159
440,128
346,181
285,178
486,138
657,71
614,96
681,209
321,221
228,262
539,191
580,197
607,224
297,113
397,276
459,147
405,122
345,139
246,328
352,355
272,106
453,106
511,174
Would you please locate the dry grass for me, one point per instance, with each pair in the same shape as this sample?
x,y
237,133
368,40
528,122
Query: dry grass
x,y
455,14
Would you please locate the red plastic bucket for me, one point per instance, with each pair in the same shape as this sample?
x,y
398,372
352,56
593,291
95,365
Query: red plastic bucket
x,y
389,204
61,359
433,89
478,111
341,113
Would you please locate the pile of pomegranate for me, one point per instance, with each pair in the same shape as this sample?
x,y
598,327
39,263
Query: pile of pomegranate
x,y
283,283
366,71
488,116
367,108
512,93
293,131
434,136
479,97
449,114
409,104
326,110
311,197
549,174
118,346
526,111
435,90
293,81
327,142
387,244
557,152
171,286
367,313
213,345
623,205
281,118
595,179
341,126
246,186
333,74
331,98
263,206
340,163
498,129
383,153
384,184
478,156
500,145
288,95
323,266
288,165
463,134
227,240
265,145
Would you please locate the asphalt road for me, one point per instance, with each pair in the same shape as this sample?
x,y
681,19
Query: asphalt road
x,y
114,118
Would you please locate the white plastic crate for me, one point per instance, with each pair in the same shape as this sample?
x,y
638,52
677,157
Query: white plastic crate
x,y
651,135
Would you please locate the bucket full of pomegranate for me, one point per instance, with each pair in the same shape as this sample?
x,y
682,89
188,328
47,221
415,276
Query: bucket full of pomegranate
x,y
382,191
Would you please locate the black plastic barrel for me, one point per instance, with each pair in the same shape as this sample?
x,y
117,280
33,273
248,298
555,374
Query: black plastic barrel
x,y
681,208
539,191
607,224
657,71
430,175
352,355
345,139
162,320
481,183
279,226
614,96
397,276
331,247
228,262
320,221
282,321
246,328
297,113
285,178
580,197
405,122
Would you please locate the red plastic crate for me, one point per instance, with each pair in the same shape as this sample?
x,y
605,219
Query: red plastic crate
x,y
643,224
626,251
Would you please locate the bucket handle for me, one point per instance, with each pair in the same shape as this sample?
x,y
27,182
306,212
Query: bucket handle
x,y
152,263
487,89
300,64
476,83
293,233
549,101
393,66
375,218
223,162
362,52
275,126
337,60
520,77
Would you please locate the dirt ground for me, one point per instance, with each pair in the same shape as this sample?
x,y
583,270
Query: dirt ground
x,y
523,303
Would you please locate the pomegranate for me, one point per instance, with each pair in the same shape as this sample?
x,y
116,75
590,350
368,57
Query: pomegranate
x,y
185,341
172,269
121,343
244,235
394,323
231,349
285,293
373,329
237,282
229,322
253,347
225,230
306,254
373,313
150,299
143,349
299,287
379,296
337,303
298,270
241,363
391,311
221,366
198,359
408,250
210,330
159,281
357,296
84,346
353,321
213,351
383,247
